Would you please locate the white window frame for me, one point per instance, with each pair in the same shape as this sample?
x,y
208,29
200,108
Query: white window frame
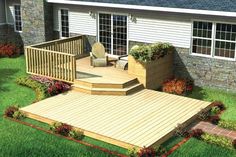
x,y
60,22
98,28
213,40
15,18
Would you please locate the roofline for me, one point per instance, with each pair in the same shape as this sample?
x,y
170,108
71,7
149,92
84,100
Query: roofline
x,y
148,8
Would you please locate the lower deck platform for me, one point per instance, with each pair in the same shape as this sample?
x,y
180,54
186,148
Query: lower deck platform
x,y
142,119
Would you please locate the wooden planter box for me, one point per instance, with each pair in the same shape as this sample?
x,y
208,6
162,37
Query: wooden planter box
x,y
151,74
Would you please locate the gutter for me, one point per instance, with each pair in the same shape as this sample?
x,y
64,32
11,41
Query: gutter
x,y
147,8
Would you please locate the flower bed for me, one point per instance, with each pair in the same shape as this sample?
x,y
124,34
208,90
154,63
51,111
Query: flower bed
x,y
151,64
43,86
177,86
9,50
53,87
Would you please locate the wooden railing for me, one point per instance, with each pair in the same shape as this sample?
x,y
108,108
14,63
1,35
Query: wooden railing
x,y
55,59
56,65
73,45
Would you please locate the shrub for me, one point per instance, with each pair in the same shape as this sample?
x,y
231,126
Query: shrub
x,y
218,104
160,150
147,152
197,133
218,140
214,119
133,152
13,112
227,124
141,53
215,110
76,134
9,112
160,50
152,52
40,89
61,128
177,86
53,87
58,87
18,115
234,143
8,50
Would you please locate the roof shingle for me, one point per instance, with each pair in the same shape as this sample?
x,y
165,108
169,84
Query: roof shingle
x,y
214,5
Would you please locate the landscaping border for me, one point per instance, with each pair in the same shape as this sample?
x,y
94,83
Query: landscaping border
x,y
68,138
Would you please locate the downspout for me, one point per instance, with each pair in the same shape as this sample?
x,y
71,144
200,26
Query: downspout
x,y
6,14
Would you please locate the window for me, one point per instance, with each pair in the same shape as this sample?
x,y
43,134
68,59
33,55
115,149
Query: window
x,y
214,39
225,40
202,34
64,23
18,22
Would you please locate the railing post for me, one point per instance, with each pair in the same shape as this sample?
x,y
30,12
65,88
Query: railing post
x,y
74,68
26,59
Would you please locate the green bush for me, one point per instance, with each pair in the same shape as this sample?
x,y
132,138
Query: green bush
x,y
218,140
152,52
76,134
13,112
133,152
227,124
142,53
215,110
40,89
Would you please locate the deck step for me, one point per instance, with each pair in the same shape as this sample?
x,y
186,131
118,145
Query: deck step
x,y
108,91
106,85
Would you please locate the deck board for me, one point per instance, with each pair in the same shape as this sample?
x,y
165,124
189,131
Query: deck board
x,y
140,119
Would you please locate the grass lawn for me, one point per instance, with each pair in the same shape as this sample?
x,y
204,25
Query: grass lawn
x,y
229,99
19,140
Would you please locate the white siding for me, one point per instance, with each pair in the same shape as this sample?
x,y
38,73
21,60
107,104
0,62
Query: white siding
x,y
2,12
149,27
80,21
155,30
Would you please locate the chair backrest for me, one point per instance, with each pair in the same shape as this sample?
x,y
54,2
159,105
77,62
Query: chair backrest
x,y
98,50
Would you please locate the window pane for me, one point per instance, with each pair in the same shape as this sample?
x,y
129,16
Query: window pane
x,y
225,49
201,46
17,18
225,31
202,29
64,23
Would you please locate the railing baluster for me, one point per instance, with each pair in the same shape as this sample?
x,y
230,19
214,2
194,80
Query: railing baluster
x,y
55,59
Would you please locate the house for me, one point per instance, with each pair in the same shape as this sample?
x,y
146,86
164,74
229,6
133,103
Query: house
x,y
203,32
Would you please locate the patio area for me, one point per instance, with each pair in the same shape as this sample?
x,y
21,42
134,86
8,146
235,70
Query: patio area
x,y
145,118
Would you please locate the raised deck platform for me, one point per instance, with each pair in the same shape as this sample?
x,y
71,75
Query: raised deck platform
x,y
104,80
145,118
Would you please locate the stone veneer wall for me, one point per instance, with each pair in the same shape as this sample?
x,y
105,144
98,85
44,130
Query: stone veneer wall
x,y
37,21
216,73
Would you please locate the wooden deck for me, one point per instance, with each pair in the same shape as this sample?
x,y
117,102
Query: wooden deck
x,y
141,119
110,74
104,80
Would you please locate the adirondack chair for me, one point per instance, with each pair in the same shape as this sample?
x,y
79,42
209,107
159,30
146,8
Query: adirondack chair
x,y
98,56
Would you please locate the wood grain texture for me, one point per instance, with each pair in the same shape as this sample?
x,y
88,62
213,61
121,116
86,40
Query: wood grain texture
x,y
144,118
151,74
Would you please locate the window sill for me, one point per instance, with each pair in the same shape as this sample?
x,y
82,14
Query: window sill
x,y
209,56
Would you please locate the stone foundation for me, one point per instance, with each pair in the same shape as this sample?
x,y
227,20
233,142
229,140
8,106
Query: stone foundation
x,y
216,73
